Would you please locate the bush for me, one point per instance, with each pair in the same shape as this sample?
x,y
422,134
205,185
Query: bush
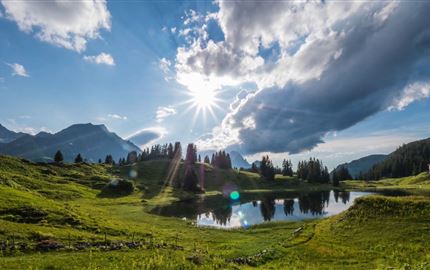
x,y
118,187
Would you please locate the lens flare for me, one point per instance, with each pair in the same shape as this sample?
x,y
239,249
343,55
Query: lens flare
x,y
234,195
132,174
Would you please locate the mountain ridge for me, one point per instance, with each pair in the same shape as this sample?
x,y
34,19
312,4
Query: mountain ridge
x,y
93,142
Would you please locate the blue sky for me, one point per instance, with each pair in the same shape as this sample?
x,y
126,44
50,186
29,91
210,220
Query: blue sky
x,y
159,55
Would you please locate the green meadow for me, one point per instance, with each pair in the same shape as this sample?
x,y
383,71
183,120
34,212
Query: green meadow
x,y
45,205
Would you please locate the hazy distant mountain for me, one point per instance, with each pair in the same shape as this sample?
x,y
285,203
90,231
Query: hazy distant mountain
x,y
257,163
237,160
363,164
91,141
7,135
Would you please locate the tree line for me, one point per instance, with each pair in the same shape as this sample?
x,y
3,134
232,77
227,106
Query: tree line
x,y
409,159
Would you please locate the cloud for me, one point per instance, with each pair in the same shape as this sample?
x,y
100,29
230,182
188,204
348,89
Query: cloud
x,y
411,93
117,117
146,136
333,70
165,64
67,24
101,59
18,70
164,112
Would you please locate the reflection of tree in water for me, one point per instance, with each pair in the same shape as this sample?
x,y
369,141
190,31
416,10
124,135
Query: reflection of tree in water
x,y
267,208
222,215
336,195
314,202
288,207
344,196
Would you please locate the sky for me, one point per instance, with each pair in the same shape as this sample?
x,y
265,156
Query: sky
x,y
337,80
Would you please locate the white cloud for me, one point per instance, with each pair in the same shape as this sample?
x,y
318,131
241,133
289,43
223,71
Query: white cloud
x,y
164,64
117,117
411,93
18,70
332,69
67,24
101,59
164,112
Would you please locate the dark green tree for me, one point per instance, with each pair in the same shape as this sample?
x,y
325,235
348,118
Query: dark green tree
x,y
58,158
79,159
109,160
266,169
287,168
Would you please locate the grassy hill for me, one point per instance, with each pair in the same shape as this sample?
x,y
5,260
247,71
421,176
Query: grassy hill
x,y
45,206
408,159
419,184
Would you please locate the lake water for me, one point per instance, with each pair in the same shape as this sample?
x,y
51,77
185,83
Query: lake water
x,y
251,209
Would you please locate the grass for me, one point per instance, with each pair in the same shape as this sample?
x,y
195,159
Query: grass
x,y
62,203
419,184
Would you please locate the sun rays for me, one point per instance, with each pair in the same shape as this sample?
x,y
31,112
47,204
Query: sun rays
x,y
203,102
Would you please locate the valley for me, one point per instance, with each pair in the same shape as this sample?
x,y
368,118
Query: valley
x,y
55,214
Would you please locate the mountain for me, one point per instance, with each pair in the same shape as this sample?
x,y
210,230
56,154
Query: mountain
x,y
409,159
237,160
257,163
91,141
362,164
7,135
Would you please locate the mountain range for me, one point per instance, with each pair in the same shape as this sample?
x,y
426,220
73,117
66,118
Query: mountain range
x,y
362,165
93,142
7,135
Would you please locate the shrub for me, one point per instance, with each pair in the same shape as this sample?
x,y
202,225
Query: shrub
x,y
119,187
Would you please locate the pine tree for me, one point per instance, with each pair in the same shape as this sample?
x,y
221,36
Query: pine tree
x,y
78,159
190,181
132,157
58,158
109,160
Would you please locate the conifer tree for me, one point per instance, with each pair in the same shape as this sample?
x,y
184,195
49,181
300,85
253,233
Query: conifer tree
x,y
58,158
78,159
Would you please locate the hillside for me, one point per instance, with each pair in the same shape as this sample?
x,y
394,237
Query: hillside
x,y
93,142
54,215
409,159
362,165
7,136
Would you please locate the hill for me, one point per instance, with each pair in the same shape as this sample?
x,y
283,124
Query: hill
x,y
409,159
362,165
93,142
7,136
54,218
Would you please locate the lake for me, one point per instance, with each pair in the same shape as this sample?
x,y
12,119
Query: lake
x,y
250,209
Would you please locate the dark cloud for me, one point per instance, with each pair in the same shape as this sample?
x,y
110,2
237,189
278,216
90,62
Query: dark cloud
x,y
376,63
146,136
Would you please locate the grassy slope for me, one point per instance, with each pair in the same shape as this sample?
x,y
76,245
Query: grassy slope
x,y
419,184
377,232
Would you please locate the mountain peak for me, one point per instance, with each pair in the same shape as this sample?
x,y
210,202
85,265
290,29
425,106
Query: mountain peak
x,y
7,135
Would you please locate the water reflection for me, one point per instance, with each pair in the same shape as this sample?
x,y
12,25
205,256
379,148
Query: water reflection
x,y
222,212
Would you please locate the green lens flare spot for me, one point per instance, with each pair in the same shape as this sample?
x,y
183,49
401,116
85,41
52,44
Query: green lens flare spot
x,y
234,195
